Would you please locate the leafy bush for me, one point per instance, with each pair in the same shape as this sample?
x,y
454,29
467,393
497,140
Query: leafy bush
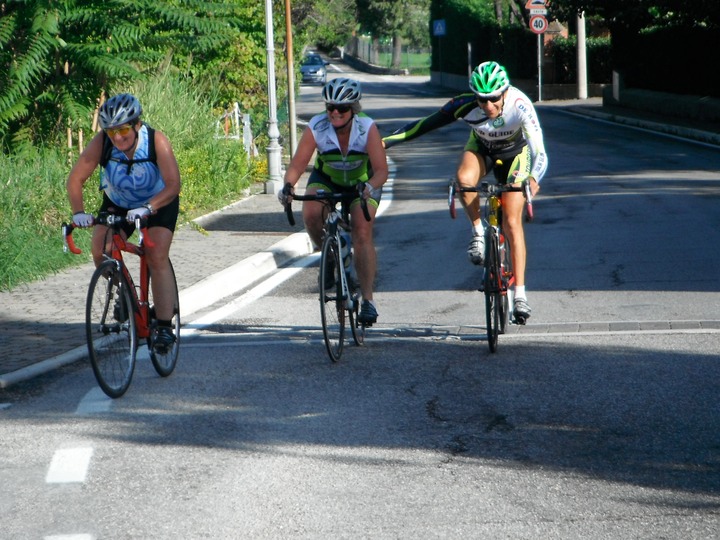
x,y
33,200
599,63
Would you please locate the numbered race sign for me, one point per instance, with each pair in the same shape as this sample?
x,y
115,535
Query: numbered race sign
x,y
538,24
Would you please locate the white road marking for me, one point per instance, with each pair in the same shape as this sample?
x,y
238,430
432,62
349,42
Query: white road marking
x,y
95,401
69,465
70,537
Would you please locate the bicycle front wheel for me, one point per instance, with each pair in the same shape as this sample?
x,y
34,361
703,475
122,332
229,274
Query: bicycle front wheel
x,y
492,286
110,329
332,302
507,283
165,360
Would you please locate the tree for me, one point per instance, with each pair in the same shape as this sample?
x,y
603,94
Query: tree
x,y
324,23
57,57
396,19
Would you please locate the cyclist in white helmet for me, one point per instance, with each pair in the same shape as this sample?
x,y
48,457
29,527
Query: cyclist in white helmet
x,y
504,126
140,178
349,151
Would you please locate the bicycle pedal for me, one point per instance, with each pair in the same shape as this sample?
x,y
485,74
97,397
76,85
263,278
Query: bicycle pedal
x,y
520,320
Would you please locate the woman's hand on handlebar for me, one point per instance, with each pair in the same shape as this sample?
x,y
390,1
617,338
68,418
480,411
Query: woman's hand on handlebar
x,y
285,195
370,192
534,185
83,220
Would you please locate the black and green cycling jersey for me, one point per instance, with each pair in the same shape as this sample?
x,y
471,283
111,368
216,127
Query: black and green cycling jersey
x,y
342,169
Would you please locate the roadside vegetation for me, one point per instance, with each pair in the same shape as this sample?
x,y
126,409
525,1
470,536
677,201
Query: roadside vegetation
x,y
33,202
186,61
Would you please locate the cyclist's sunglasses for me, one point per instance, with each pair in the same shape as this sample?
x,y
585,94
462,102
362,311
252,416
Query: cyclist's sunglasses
x,y
342,109
490,99
121,130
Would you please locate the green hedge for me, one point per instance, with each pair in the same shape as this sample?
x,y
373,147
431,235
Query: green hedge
x,y
564,53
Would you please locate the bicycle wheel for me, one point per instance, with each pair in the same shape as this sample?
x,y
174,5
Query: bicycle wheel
x,y
506,293
358,329
492,289
165,362
332,303
110,329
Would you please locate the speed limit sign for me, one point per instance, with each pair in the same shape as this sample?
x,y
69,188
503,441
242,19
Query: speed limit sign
x,y
538,24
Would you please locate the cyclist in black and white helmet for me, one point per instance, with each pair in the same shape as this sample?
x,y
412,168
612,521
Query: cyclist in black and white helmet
x,y
140,178
349,151
505,127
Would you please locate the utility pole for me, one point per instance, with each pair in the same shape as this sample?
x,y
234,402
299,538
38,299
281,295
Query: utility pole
x,y
274,150
291,78
581,57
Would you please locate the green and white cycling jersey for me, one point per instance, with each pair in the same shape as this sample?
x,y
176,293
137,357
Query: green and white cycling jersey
x,y
502,138
344,170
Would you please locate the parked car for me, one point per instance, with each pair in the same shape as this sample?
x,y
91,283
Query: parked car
x,y
314,69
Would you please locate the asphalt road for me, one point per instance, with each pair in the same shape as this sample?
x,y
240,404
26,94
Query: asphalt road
x,y
598,420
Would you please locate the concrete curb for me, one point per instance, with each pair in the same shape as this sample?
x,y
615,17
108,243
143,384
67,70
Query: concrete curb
x,y
683,132
196,297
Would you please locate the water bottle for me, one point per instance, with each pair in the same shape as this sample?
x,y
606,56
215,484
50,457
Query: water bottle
x,y
345,247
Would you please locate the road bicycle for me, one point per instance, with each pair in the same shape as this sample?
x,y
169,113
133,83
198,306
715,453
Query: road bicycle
x,y
498,277
118,313
340,297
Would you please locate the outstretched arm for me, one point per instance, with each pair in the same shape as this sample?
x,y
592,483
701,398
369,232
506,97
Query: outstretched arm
x,y
418,127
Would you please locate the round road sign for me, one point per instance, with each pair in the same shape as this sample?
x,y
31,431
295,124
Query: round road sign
x,y
538,24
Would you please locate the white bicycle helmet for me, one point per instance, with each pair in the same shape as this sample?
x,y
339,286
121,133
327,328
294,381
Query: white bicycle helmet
x,y
342,92
118,110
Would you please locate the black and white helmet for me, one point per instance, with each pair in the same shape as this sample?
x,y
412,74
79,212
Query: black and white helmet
x,y
342,92
119,110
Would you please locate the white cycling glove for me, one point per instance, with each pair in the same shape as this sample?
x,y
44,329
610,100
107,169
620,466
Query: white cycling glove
x,y
371,192
136,213
81,219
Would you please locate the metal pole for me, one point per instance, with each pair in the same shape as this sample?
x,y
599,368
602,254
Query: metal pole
x,y
539,60
274,150
581,57
290,77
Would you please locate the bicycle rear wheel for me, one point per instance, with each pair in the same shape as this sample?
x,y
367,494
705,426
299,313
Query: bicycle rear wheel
x,y
165,362
332,303
493,297
358,329
110,329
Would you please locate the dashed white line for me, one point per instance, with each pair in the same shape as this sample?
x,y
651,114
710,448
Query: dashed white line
x,y
69,465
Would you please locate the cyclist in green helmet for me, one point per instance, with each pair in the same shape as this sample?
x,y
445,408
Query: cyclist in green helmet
x,y
505,138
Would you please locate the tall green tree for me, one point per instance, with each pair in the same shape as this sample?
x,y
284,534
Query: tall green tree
x,y
395,19
323,23
57,56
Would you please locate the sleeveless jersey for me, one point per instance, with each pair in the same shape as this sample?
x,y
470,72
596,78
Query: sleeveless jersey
x,y
132,183
344,170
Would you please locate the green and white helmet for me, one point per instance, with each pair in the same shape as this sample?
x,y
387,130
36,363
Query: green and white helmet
x,y
489,80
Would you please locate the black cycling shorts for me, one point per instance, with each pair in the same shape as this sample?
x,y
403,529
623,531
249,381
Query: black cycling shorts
x,y
164,217
320,181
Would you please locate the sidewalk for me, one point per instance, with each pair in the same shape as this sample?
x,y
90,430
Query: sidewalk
x,y
43,324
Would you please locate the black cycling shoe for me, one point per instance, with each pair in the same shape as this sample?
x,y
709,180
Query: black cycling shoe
x,y
368,314
164,340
